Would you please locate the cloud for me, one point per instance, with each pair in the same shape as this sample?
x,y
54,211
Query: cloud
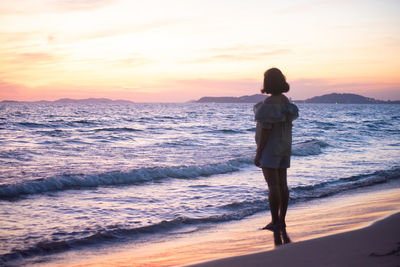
x,y
36,57
8,91
26,60
246,56
15,37
215,87
23,7
392,41
239,53
128,29
80,5
131,61
296,8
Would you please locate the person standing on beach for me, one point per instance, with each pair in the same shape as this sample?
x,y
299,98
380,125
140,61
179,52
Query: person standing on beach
x,y
274,118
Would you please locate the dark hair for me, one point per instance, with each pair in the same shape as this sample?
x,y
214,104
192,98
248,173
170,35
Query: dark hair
x,y
274,82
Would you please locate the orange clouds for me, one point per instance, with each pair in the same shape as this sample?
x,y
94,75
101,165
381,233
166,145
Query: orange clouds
x,y
180,50
34,57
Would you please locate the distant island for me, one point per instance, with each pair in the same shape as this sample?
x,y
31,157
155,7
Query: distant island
x,y
324,99
346,99
69,101
333,98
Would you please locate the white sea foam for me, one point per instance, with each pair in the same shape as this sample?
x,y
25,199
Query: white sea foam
x,y
133,177
308,148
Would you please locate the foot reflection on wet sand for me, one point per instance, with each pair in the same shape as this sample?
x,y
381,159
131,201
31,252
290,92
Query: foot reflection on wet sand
x,y
281,237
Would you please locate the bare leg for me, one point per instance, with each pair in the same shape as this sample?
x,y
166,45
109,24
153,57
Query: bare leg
x,y
272,177
284,195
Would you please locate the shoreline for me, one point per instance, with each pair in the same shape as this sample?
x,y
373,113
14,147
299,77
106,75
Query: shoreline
x,y
305,221
375,245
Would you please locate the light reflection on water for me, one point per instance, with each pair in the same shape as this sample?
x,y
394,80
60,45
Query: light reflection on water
x,y
171,165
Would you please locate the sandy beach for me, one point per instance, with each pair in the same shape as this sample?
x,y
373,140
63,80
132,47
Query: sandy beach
x,y
337,231
375,245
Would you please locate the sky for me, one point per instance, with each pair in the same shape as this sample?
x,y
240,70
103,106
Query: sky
x,y
181,50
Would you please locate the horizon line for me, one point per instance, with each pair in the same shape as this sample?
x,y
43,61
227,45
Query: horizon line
x,y
188,101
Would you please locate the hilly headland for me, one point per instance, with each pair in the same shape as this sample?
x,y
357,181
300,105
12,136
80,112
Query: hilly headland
x,y
334,98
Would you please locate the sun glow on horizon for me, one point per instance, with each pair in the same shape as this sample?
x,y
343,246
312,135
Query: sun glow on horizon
x,y
173,51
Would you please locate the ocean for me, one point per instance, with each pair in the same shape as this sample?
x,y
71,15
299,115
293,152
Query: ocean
x,y
76,176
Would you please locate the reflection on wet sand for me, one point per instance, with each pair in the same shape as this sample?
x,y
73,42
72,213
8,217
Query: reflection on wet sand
x,y
281,237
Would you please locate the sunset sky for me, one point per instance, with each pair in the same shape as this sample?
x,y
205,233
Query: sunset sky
x,y
175,51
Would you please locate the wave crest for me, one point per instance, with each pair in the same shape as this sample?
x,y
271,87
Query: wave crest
x,y
136,176
324,189
308,148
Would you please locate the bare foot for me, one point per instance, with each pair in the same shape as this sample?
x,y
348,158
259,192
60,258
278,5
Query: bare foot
x,y
271,227
274,227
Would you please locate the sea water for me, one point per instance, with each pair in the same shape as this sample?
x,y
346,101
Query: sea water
x,y
74,176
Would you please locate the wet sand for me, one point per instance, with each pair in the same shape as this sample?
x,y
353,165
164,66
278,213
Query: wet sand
x,y
310,221
375,245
